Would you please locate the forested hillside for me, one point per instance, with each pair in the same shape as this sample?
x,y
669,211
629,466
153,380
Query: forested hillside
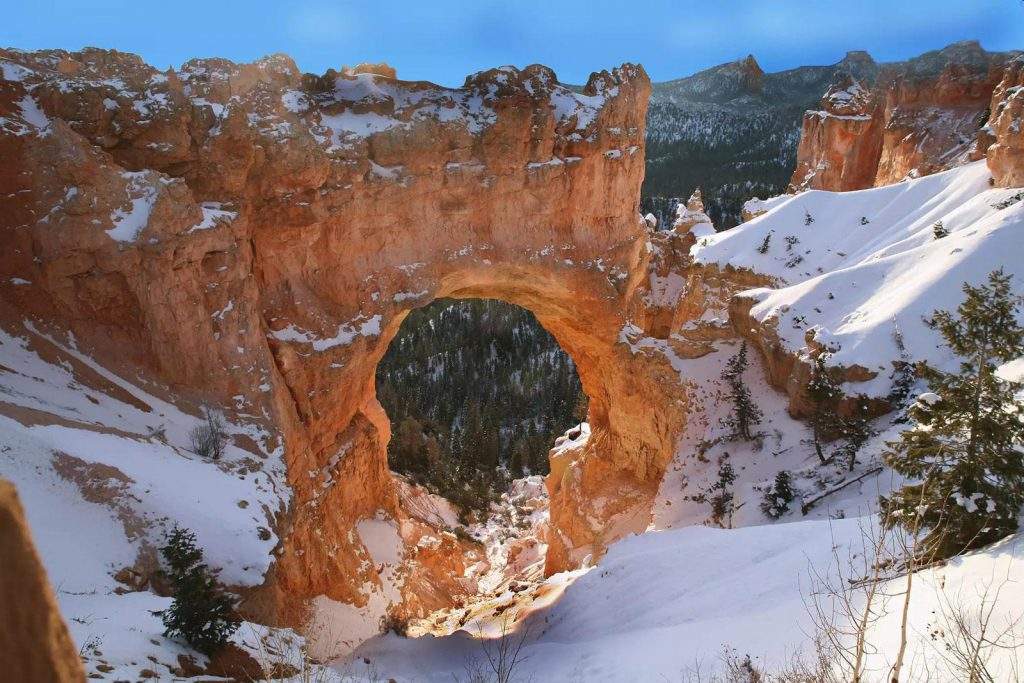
x,y
732,130
477,391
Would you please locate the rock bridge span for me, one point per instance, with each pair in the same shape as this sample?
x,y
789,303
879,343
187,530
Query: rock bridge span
x,y
253,237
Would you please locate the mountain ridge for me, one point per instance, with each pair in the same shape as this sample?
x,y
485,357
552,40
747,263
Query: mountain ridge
x,y
713,130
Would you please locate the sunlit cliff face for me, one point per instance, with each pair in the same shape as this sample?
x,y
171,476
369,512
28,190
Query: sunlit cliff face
x,y
257,236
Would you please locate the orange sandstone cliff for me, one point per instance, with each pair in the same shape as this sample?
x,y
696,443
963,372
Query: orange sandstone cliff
x,y
253,237
908,119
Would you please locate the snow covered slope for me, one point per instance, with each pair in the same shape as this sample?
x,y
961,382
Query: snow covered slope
x,y
104,469
662,604
858,267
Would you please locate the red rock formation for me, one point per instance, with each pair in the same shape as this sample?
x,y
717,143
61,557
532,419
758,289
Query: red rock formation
x,y
692,214
932,124
34,642
916,118
256,236
840,144
1006,153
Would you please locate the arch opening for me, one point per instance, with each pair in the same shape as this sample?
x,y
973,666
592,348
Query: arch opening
x,y
476,391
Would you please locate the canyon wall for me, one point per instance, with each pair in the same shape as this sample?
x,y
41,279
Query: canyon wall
x,y
909,119
252,237
1004,134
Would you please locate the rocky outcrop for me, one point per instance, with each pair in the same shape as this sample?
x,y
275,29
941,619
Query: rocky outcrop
x,y
253,236
34,642
1006,127
840,143
906,120
690,217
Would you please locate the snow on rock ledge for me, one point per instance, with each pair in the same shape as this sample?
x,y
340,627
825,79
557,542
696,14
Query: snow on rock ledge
x,y
868,267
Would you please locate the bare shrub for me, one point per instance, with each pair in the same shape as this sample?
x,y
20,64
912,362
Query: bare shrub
x,y
285,658
967,636
209,438
845,599
499,657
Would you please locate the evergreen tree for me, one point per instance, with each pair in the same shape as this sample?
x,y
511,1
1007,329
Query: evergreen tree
x,y
856,430
520,456
939,230
965,450
720,495
823,393
778,496
201,612
581,407
745,413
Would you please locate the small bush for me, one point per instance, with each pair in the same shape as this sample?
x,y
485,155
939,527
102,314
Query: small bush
x,y
939,230
808,219
209,438
763,249
202,612
1009,201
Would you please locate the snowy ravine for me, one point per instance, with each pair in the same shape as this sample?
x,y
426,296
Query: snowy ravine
x,y
663,603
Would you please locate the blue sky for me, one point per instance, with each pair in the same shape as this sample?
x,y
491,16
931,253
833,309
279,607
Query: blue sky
x,y
443,40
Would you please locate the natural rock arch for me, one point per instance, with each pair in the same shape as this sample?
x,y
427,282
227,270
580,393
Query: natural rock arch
x,y
581,289
255,236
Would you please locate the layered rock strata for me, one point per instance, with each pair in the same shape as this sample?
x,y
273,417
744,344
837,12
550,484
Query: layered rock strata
x,y
904,120
253,237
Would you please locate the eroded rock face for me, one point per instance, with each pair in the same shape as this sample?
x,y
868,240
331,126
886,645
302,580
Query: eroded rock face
x,y
840,143
255,236
1006,127
911,119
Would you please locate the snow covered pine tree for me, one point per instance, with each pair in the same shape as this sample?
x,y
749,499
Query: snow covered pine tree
x,y
745,413
965,451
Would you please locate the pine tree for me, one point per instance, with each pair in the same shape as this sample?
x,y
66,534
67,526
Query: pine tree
x,y
745,413
856,430
902,375
823,393
201,612
778,497
965,450
519,458
939,230
720,495
581,407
